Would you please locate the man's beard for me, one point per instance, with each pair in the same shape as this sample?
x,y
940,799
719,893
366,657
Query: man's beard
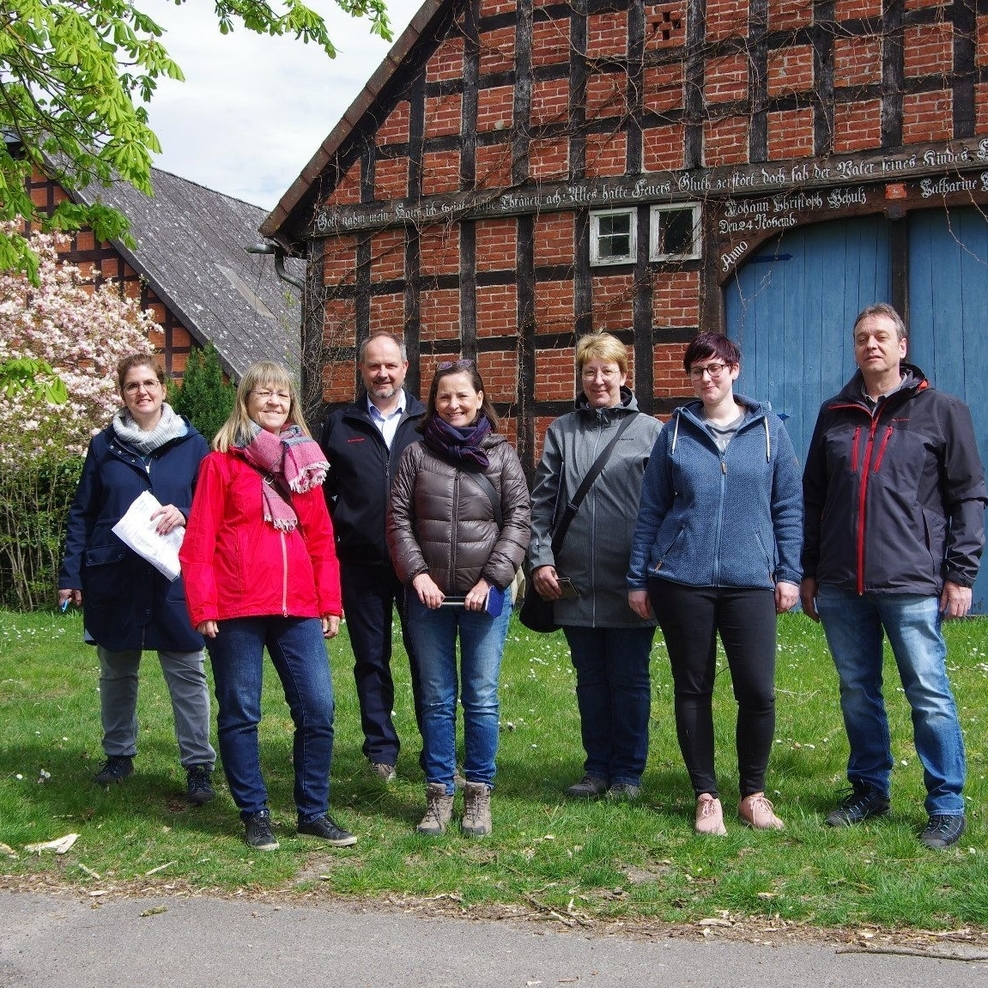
x,y
384,391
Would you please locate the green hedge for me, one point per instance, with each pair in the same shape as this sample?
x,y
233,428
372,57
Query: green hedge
x,y
34,505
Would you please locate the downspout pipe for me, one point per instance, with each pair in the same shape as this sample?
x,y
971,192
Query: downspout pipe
x,y
266,247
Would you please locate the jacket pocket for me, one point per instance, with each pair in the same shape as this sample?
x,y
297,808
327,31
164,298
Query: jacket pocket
x,y
106,575
104,555
664,548
767,557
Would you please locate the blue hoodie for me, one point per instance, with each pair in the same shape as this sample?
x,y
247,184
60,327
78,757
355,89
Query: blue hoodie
x,y
713,519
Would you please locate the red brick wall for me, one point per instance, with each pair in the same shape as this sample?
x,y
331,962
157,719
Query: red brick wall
x,y
857,61
495,108
607,34
790,70
790,134
857,126
443,115
554,239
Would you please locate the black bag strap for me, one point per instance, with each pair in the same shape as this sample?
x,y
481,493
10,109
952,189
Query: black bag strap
x,y
492,494
559,532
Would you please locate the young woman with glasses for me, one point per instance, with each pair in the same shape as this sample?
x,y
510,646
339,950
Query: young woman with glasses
x,y
716,551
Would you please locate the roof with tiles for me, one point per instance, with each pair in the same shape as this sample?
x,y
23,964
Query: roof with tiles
x,y
190,247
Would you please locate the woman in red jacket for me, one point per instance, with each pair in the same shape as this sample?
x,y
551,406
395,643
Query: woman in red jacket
x,y
260,570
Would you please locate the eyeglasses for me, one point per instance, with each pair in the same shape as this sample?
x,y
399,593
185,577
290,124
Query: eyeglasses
x,y
454,365
714,370
136,386
282,396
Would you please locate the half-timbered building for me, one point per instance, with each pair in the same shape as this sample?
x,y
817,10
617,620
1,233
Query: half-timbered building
x,y
518,173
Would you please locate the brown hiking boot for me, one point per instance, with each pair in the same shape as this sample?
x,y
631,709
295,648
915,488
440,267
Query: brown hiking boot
x,y
438,810
476,820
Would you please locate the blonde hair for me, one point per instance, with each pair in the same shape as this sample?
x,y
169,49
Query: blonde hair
x,y
236,431
604,347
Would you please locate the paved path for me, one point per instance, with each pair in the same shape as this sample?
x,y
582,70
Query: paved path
x,y
74,942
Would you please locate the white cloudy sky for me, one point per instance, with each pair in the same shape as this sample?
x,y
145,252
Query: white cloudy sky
x,y
253,110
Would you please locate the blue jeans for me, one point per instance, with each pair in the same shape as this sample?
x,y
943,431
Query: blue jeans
x,y
854,626
298,652
614,694
434,634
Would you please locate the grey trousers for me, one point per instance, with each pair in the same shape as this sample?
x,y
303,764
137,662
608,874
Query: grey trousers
x,y
185,676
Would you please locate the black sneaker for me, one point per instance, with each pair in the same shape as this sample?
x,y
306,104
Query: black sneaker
x,y
861,803
942,831
589,786
326,828
115,769
259,834
198,784
623,791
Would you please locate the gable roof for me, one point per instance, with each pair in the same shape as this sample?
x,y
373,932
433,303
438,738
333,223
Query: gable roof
x,y
190,245
302,188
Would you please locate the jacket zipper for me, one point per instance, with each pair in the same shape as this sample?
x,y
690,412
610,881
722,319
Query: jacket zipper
x,y
284,575
452,540
866,470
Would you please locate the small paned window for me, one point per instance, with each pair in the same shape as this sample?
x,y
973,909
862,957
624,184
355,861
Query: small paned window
x,y
613,236
675,232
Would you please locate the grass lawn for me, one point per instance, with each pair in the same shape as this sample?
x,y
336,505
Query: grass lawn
x,y
579,861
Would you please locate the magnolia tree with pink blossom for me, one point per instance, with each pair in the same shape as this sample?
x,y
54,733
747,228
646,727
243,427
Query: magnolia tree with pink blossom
x,y
60,341
81,331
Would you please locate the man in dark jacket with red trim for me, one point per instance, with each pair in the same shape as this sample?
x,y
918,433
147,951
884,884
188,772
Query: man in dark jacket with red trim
x,y
363,443
894,497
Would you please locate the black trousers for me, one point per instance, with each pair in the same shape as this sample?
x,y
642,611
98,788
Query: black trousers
x,y
369,597
690,619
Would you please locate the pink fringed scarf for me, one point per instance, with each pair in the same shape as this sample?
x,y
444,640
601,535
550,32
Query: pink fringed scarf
x,y
290,461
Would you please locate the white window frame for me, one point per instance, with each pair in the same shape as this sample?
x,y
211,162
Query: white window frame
x,y
655,230
595,236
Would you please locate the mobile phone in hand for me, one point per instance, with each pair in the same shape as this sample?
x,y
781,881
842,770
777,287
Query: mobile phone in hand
x,y
567,589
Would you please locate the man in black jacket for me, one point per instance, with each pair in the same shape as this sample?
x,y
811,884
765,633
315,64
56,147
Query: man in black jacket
x,y
895,497
363,443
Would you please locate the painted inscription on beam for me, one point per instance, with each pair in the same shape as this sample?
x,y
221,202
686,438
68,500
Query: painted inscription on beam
x,y
941,168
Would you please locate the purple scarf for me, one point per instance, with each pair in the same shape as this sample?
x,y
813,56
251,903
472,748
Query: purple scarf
x,y
461,447
289,462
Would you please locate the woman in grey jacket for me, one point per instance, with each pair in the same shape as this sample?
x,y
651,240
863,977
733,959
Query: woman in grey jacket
x,y
457,530
716,549
610,644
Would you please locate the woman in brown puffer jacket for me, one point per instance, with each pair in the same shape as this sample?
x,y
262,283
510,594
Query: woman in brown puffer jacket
x,y
457,529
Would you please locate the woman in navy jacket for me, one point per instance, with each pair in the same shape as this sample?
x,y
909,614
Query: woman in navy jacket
x,y
128,604
716,549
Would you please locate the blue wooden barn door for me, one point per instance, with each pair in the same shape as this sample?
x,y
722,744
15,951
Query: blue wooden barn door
x,y
791,308
948,316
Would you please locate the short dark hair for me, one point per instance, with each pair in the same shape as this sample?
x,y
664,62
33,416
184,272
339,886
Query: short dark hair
x,y
882,309
705,345
469,367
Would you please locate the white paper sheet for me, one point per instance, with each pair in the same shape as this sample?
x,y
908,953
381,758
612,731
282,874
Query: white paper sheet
x,y
137,530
